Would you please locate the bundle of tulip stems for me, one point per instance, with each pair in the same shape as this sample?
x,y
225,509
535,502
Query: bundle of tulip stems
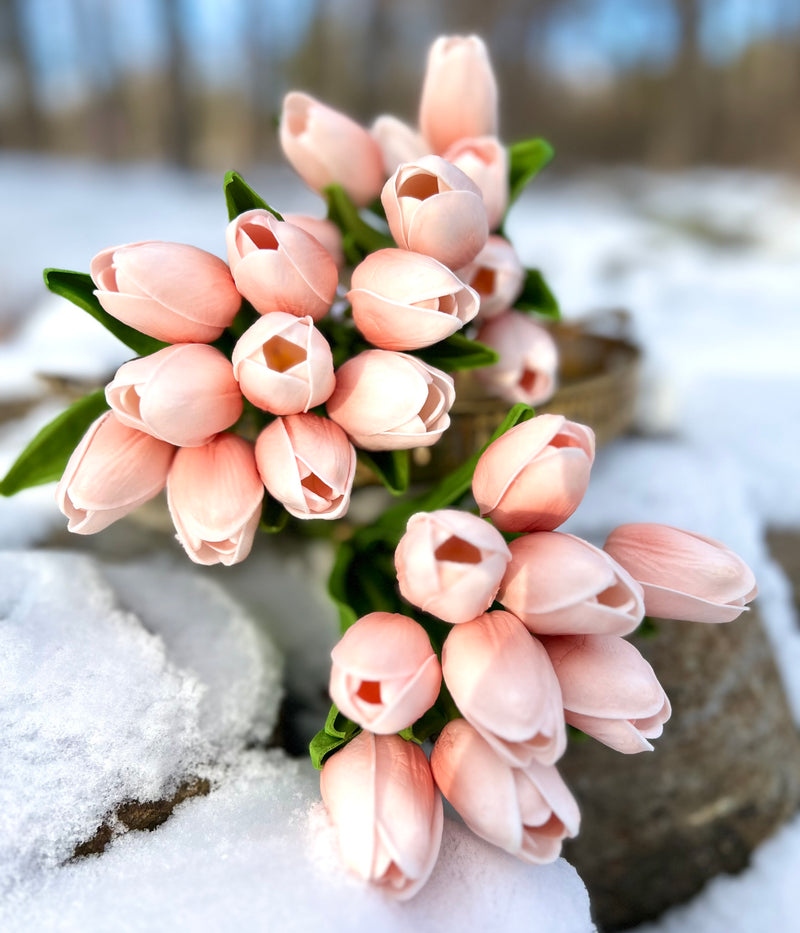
x,y
260,383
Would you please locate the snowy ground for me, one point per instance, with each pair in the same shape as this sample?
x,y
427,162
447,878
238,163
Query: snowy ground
x,y
134,696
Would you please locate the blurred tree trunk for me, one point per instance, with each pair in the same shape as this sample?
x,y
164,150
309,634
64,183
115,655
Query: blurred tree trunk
x,y
178,137
30,127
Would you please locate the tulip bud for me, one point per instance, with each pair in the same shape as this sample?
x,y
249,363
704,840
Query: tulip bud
x,y
558,584
184,394
307,464
525,811
534,476
450,563
391,401
526,370
283,364
503,683
173,292
279,267
403,300
398,143
610,692
497,276
381,798
432,207
113,470
214,495
459,93
324,231
385,673
326,147
683,575
485,161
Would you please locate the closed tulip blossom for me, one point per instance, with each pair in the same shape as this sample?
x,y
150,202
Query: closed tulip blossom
x,y
497,275
214,495
325,147
325,231
307,464
485,161
558,584
385,673
525,811
528,365
184,394
684,575
283,364
432,207
503,683
610,692
391,401
403,300
534,476
459,92
113,470
170,291
450,564
398,142
381,798
278,266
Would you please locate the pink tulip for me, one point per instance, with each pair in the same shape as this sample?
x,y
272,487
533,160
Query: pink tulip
x,y
113,470
503,683
307,464
381,798
324,231
183,395
432,207
214,495
684,575
173,292
534,476
279,267
391,401
385,673
450,564
326,147
528,364
398,143
403,300
497,276
283,364
459,93
610,692
485,161
526,811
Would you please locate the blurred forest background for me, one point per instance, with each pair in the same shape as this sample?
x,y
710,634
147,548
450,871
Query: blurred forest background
x,y
198,83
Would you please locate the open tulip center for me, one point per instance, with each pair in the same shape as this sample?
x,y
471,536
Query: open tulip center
x,y
314,484
370,691
484,281
617,596
458,551
419,187
261,237
563,440
529,381
433,404
281,354
446,304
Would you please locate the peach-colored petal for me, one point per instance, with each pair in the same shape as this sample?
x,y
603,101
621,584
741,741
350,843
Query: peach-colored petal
x,y
325,231
497,275
485,161
527,369
398,142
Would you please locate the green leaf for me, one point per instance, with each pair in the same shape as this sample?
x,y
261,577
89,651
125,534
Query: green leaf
x,y
390,466
79,288
360,238
536,296
337,732
45,458
525,160
338,585
240,197
457,352
273,516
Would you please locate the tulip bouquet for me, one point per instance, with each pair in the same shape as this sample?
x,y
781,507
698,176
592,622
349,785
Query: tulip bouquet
x,y
260,384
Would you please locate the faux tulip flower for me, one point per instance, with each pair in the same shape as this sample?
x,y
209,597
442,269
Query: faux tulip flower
x,y
459,92
279,267
325,231
450,564
326,147
170,291
432,207
528,365
385,673
184,394
485,161
113,470
398,142
214,495
503,683
380,796
683,575
526,811
307,464
283,364
391,401
534,476
497,276
562,585
610,692
403,300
